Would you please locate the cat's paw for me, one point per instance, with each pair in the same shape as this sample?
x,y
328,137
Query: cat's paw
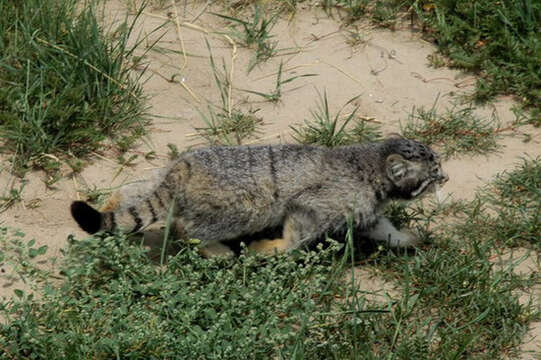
x,y
216,250
405,238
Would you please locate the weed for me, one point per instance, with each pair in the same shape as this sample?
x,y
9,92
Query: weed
x,y
436,60
11,195
228,129
76,165
173,153
365,130
385,13
508,210
19,257
331,131
499,40
354,9
457,130
127,161
256,34
276,94
227,125
69,86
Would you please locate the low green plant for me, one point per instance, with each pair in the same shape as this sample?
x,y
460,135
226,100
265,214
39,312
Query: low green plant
x,y
255,33
226,124
354,9
276,94
456,130
451,298
498,39
65,84
508,211
228,128
11,195
330,131
18,260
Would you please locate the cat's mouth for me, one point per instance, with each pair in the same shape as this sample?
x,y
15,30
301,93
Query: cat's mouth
x,y
423,186
430,185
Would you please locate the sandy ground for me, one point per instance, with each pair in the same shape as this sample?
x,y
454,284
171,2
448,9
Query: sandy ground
x,y
388,71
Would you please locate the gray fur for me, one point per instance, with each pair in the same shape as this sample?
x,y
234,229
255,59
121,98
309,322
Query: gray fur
x,y
221,193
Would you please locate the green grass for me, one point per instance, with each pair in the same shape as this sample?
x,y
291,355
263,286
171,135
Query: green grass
x,y
331,130
498,40
225,124
454,131
276,94
453,301
508,211
65,86
255,33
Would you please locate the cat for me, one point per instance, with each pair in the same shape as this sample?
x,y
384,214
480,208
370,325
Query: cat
x,y
216,194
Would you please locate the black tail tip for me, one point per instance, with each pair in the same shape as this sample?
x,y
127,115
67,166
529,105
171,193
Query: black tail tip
x,y
88,218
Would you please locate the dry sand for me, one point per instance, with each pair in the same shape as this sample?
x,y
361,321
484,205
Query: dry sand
x,y
388,71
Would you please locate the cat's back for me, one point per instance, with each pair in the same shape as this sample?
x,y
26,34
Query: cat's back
x,y
266,160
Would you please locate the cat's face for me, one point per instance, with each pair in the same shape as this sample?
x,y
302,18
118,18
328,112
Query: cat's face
x,y
414,169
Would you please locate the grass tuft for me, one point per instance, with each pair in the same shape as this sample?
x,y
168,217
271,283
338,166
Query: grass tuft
x,y
225,124
456,131
69,85
509,210
255,34
328,130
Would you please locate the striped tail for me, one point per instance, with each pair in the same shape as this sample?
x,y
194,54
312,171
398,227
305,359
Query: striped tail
x,y
150,204
128,220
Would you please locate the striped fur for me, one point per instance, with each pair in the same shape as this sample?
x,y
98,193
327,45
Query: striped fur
x,y
221,193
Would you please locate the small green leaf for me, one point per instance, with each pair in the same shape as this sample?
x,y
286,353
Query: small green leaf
x,y
42,250
19,293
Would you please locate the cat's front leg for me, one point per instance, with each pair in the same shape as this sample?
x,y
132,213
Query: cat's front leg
x,y
384,230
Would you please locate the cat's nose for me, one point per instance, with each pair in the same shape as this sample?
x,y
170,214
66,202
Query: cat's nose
x,y
444,178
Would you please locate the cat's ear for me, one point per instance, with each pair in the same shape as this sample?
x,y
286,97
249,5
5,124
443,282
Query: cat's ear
x,y
397,167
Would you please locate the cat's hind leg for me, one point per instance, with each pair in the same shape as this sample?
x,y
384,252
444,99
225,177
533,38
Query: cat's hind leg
x,y
300,228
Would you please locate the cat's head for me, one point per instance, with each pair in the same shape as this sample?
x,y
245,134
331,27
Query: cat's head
x,y
412,167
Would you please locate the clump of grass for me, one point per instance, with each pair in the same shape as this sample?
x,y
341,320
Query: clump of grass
x,y
497,39
331,131
276,94
228,128
456,130
353,9
225,124
452,301
11,195
256,34
509,210
18,260
65,85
